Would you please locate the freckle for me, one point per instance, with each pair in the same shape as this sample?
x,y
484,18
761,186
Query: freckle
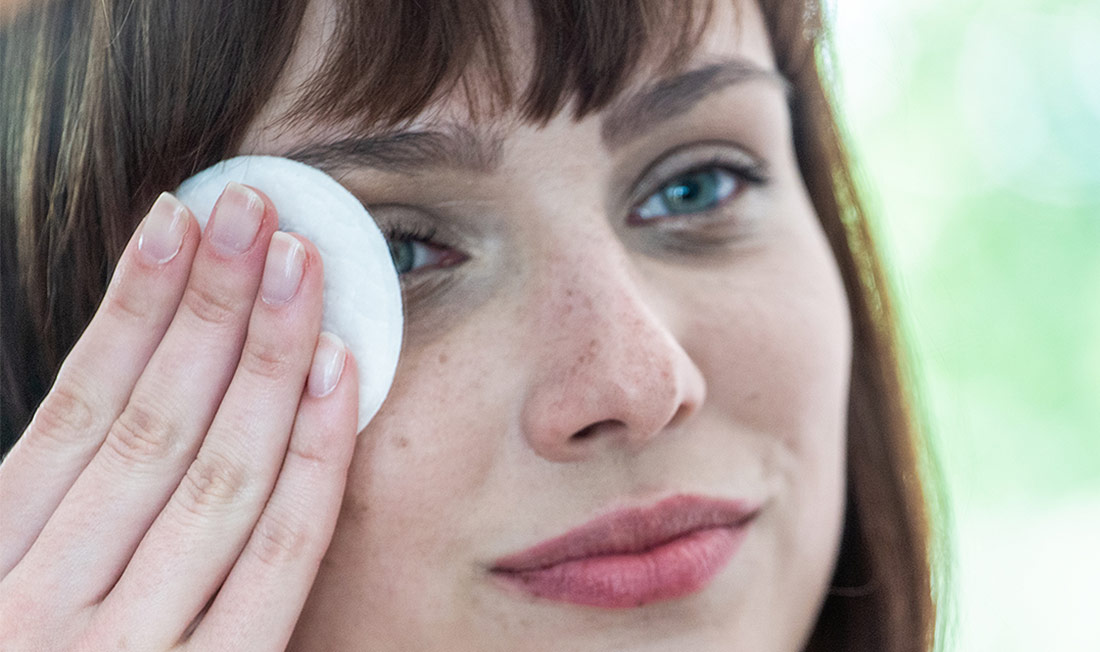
x,y
401,442
442,358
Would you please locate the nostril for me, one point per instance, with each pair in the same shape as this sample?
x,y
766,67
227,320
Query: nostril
x,y
589,431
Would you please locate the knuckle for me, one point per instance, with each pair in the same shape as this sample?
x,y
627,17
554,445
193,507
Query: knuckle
x,y
277,541
212,483
127,306
311,451
64,417
266,358
141,434
211,305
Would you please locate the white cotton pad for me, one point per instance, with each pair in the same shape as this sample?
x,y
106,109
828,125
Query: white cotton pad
x,y
362,302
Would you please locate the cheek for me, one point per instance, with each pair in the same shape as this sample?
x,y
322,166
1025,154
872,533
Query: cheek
x,y
774,339
774,343
418,468
435,440
423,472
772,336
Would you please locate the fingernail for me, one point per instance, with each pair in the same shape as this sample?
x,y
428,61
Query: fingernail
x,y
282,269
162,231
236,219
328,365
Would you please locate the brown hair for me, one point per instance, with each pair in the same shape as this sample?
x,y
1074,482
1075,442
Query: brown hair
x,y
106,104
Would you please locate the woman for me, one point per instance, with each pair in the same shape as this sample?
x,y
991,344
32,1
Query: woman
x,y
650,396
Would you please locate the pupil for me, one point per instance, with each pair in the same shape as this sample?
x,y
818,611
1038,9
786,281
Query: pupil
x,y
689,193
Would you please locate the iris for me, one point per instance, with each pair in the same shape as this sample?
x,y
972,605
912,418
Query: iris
x,y
403,253
694,192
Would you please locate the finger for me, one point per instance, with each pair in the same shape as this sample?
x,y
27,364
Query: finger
x,y
191,546
98,376
90,538
261,600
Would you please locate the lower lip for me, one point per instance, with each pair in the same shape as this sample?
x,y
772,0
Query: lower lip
x,y
671,570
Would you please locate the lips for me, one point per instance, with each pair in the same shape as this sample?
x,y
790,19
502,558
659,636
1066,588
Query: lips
x,y
633,557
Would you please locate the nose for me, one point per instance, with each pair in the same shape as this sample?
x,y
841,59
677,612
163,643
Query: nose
x,y
610,371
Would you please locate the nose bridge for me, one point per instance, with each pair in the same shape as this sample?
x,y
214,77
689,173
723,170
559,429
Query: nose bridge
x,y
603,320
608,365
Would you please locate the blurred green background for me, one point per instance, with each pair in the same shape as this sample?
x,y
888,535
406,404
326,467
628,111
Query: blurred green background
x,y
976,127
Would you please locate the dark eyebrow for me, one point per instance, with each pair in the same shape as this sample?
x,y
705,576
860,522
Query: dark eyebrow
x,y
455,146
668,98
404,151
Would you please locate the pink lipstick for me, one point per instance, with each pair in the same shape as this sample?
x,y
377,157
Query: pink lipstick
x,y
633,557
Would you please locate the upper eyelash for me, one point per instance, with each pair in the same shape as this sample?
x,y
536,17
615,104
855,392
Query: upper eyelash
x,y
393,232
754,173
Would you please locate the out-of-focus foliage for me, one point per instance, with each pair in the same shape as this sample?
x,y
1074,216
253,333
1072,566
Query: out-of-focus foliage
x,y
977,127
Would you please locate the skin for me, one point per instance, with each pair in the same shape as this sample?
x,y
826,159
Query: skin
x,y
192,480
719,371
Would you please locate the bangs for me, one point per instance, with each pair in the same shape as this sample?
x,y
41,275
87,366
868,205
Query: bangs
x,y
389,60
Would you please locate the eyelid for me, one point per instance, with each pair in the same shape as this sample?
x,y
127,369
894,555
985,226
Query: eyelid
x,y
396,217
690,157
450,230
403,222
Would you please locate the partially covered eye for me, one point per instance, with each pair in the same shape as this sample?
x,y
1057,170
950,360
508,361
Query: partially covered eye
x,y
409,255
697,191
413,250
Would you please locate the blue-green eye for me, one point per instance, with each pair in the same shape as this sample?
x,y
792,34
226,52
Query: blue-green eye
x,y
697,191
413,251
407,255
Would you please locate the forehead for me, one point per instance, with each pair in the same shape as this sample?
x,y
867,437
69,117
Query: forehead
x,y
733,31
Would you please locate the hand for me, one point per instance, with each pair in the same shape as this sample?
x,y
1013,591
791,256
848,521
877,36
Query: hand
x,y
180,482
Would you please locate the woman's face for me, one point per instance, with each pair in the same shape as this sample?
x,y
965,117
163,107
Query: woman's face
x,y
634,315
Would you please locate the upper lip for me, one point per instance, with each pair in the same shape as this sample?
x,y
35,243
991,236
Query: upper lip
x,y
631,530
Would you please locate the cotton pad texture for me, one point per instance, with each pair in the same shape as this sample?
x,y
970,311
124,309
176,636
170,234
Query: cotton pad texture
x,y
362,299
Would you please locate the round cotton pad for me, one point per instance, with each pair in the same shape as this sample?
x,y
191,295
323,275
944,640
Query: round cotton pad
x,y
362,302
